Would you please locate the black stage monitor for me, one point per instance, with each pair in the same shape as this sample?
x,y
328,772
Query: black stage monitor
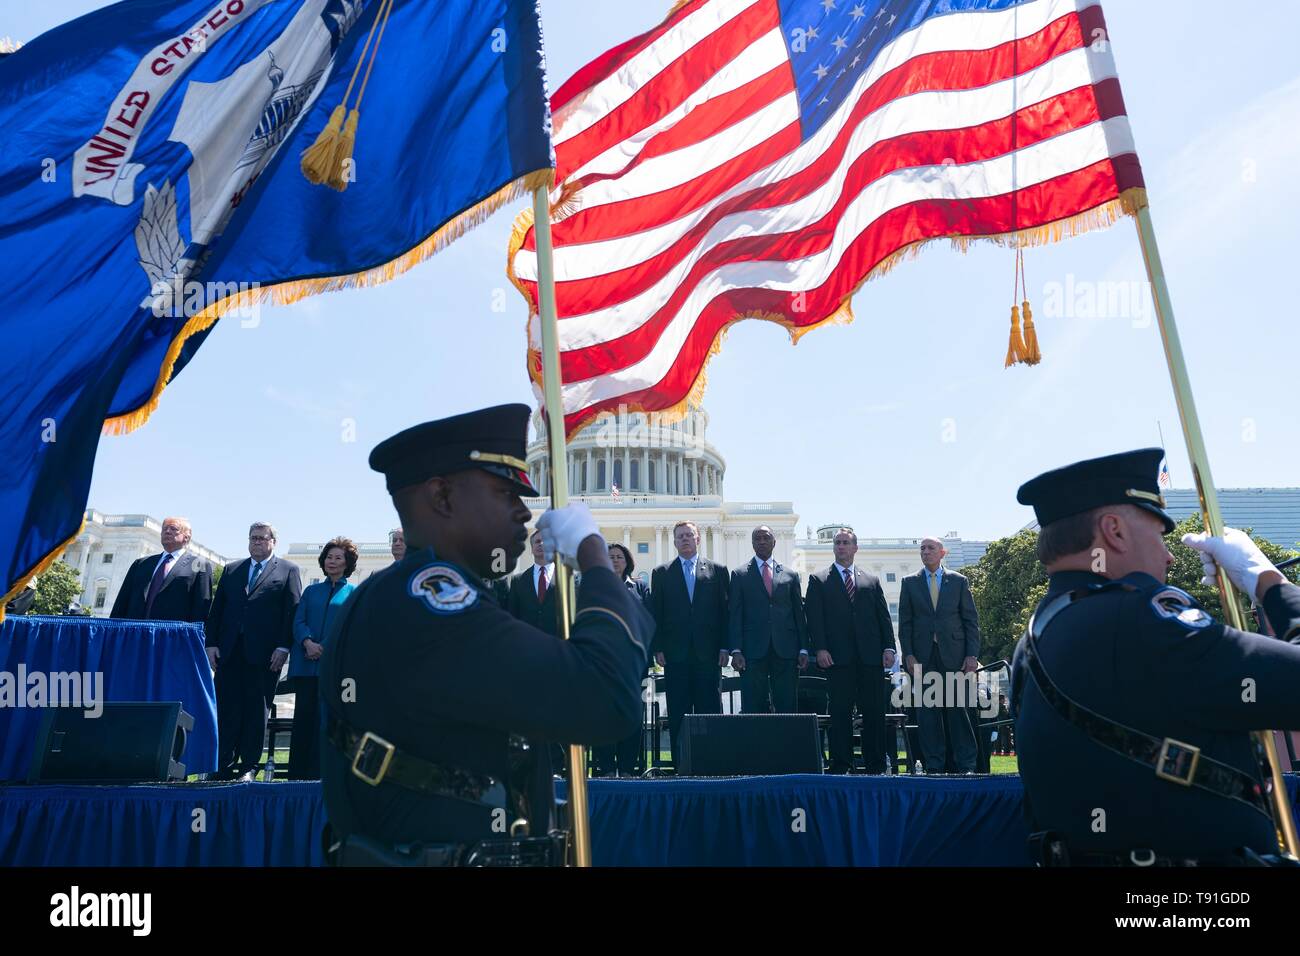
x,y
126,743
738,745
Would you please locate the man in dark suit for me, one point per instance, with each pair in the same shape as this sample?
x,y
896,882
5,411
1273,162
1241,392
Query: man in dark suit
x,y
532,593
851,633
688,599
175,585
765,611
249,631
940,634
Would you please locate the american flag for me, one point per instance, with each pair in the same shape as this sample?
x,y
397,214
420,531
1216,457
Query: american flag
x,y
763,158
1164,474
617,495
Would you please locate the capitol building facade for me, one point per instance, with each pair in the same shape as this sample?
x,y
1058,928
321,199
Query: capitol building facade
x,y
640,475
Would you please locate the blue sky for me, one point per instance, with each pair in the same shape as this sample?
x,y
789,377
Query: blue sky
x,y
903,423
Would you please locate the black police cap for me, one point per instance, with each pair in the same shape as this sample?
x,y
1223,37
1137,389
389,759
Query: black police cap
x,y
1130,478
492,439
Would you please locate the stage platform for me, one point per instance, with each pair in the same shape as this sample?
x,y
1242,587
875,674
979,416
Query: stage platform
x,y
797,820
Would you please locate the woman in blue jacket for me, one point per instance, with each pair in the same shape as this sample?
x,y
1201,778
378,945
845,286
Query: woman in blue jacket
x,y
319,603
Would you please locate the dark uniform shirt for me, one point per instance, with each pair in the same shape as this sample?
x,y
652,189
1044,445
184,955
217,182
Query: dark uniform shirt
x,y
433,664
1153,660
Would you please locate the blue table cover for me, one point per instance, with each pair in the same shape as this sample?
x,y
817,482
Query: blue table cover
x,y
139,660
846,821
238,824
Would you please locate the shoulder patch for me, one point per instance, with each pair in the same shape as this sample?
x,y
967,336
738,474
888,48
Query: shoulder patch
x,y
1177,605
442,588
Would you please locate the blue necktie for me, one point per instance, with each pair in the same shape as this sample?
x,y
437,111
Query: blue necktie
x,y
257,569
690,580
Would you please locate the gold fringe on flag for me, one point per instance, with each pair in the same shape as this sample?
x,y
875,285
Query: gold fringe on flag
x,y
41,567
286,293
1100,217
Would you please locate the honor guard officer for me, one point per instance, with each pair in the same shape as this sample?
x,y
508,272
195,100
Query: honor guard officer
x,y
1133,706
436,698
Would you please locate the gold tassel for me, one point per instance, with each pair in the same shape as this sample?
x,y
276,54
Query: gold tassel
x,y
1016,347
343,146
318,158
1032,356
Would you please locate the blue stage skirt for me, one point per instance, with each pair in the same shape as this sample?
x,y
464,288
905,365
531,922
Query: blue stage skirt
x,y
139,660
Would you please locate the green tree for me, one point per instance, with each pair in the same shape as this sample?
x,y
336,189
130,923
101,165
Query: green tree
x,y
56,589
1001,584
1186,571
1008,582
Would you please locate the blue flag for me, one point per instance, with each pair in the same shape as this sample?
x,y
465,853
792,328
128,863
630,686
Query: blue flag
x,y
152,181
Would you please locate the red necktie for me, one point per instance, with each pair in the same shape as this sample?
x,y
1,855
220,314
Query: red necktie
x,y
767,578
541,585
849,587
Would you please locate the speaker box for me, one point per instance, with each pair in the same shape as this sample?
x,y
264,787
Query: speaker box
x,y
738,745
127,743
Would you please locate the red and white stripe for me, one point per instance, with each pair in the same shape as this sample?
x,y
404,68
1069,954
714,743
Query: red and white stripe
x,y
686,199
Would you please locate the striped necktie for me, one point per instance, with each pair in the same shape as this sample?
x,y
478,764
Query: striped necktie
x,y
849,587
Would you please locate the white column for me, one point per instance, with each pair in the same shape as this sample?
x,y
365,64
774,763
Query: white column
x,y
659,551
589,483
627,537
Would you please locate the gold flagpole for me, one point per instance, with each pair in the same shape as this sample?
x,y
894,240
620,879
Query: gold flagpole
x,y
1209,498
559,480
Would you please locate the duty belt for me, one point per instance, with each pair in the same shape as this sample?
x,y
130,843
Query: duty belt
x,y
1173,760
375,760
361,851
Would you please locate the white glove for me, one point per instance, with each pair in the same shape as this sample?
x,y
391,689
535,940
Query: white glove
x,y
564,529
1236,553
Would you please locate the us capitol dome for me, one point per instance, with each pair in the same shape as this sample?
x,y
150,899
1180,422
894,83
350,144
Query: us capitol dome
x,y
641,474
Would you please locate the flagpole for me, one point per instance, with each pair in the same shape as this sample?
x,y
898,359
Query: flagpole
x,y
558,477
1205,490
